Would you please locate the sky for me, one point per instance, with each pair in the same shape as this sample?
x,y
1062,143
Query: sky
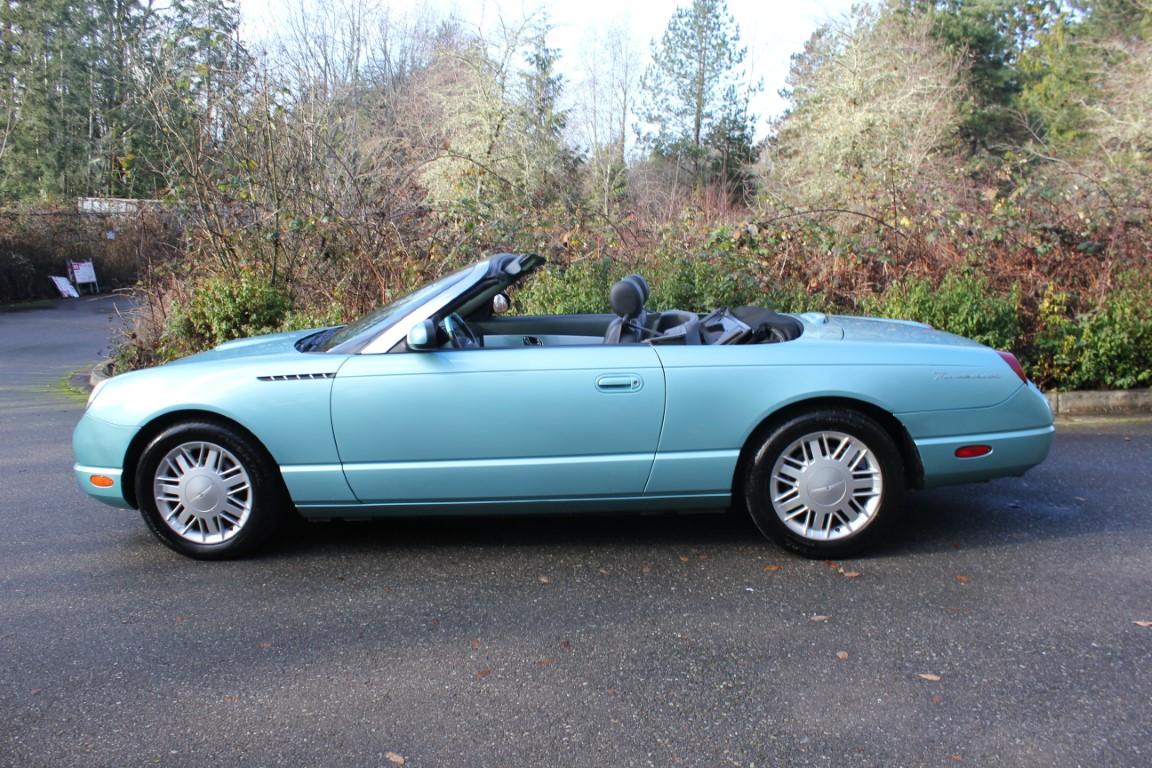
x,y
772,30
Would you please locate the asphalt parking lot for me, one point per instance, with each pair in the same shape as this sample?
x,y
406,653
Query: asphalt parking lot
x,y
998,627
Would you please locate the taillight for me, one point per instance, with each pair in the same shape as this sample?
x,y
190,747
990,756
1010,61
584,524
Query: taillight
x,y
1014,364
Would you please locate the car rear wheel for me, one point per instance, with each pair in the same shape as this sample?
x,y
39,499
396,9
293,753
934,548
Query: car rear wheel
x,y
208,492
825,483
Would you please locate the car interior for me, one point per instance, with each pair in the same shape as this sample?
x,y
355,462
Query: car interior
x,y
630,323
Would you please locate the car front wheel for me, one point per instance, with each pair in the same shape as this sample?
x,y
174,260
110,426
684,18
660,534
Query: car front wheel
x,y
208,492
825,483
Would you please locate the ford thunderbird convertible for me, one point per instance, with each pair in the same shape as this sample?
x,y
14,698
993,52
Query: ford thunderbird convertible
x,y
441,403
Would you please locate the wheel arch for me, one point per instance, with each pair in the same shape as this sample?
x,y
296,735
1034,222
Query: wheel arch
x,y
152,429
913,469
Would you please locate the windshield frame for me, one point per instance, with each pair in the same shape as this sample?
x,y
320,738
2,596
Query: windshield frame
x,y
377,328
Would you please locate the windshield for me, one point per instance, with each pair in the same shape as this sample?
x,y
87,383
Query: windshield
x,y
376,322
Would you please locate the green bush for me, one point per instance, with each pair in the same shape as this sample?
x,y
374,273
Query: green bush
x,y
223,308
962,304
1116,345
1107,347
1055,356
694,283
581,287
700,283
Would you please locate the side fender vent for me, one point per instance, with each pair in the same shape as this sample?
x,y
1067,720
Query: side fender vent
x,y
297,376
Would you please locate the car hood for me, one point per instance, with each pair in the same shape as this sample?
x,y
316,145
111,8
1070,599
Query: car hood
x,y
252,346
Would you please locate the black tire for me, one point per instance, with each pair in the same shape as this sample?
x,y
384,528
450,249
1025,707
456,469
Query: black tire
x,y
222,488
825,484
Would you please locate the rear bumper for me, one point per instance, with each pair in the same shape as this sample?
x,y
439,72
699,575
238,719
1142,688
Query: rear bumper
x,y
1013,454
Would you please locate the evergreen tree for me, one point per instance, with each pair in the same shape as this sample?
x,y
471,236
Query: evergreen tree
x,y
50,79
695,97
992,35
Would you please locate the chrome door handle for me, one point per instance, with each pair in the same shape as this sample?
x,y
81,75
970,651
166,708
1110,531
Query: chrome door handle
x,y
623,382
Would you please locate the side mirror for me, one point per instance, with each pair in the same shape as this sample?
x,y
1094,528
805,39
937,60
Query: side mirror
x,y
501,303
422,336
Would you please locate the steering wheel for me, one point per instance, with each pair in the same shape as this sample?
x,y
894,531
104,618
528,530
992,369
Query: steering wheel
x,y
460,336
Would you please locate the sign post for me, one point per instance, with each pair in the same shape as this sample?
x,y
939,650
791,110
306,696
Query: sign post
x,y
84,272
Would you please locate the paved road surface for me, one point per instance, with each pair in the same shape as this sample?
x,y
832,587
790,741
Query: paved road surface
x,y
638,641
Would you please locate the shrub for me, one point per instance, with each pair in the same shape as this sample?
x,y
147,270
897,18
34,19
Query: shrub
x,y
1056,347
962,304
1116,343
701,283
582,286
223,308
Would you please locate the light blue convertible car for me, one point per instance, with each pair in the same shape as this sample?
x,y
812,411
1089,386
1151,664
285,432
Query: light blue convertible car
x,y
440,404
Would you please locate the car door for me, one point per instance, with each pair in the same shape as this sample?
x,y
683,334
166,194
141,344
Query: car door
x,y
526,423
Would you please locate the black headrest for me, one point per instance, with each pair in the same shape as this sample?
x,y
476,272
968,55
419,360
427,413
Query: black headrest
x,y
628,296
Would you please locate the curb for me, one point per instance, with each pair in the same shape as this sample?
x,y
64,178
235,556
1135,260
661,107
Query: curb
x,y
102,371
1130,402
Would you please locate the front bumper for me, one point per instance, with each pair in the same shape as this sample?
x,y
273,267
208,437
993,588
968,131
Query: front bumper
x,y
112,495
100,448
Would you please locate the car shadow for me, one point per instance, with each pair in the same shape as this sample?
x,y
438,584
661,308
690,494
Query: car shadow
x,y
546,530
994,514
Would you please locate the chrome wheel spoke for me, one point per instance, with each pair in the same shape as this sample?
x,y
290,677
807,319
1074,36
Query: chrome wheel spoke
x,y
203,492
826,485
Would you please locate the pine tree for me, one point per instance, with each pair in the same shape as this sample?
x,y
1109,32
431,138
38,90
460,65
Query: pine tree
x,y
695,97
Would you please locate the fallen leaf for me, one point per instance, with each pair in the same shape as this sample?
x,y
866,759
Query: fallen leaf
x,y
394,758
566,645
484,673
929,677
701,556
963,579
231,699
646,568
818,617
1144,624
937,698
37,691
545,580
613,691
773,568
475,643
831,564
842,655
602,571
182,618
265,646
545,662
684,558
851,574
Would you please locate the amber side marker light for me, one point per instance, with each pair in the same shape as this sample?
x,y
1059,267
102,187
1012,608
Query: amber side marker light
x,y
101,481
973,451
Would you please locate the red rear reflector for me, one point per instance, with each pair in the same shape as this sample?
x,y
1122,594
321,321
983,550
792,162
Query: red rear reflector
x,y
1014,364
973,451
101,481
